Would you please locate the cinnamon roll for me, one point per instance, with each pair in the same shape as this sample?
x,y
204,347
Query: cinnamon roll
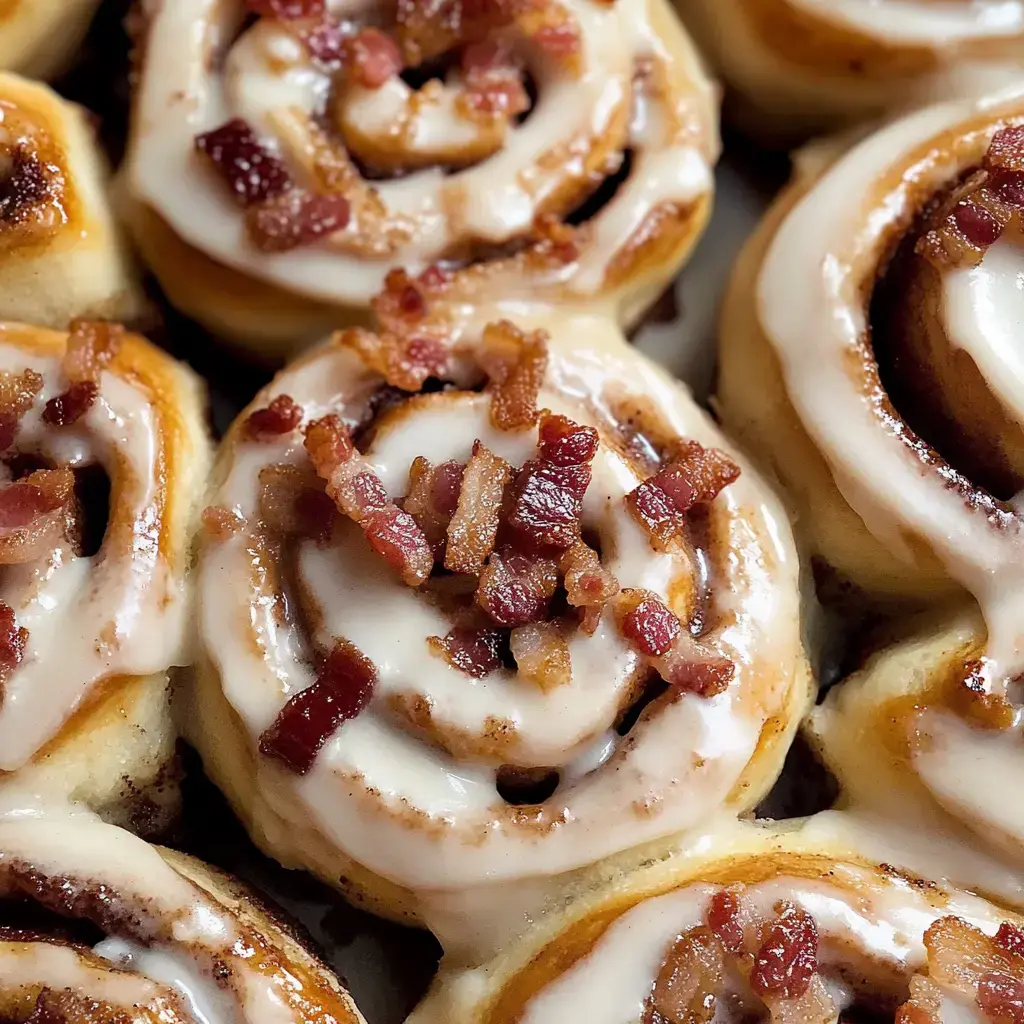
x,y
61,252
920,731
479,610
760,925
286,156
800,66
96,925
104,460
39,37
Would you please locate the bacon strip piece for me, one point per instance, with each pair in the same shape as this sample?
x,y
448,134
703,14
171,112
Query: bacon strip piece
x,y
473,651
249,169
404,362
280,417
433,498
516,589
359,494
34,515
296,218
515,362
13,639
546,504
696,476
654,632
542,655
92,346
370,58
343,688
689,980
787,958
474,526
18,393
588,584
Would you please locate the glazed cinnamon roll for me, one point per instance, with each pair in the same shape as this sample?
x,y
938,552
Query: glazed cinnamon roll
x,y
761,925
96,925
919,730
38,38
480,611
286,156
61,252
104,460
801,66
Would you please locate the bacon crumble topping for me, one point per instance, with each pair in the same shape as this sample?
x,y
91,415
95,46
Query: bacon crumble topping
x,y
18,392
477,652
92,346
515,362
248,168
281,416
13,639
343,687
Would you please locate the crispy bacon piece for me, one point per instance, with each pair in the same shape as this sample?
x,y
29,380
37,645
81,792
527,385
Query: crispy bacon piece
x,y
924,1005
546,503
516,589
515,362
249,169
286,10
688,667
960,955
13,639
295,218
473,651
323,36
690,977
358,493
725,919
542,655
474,526
696,476
588,584
1001,998
787,958
220,522
402,303
982,208
370,58
92,346
404,362
646,622
433,498
18,393
344,686
294,503
33,515
493,82
281,416
1011,938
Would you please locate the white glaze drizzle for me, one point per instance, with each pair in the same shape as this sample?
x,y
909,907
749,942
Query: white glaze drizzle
x,y
118,612
176,935
266,77
683,762
810,302
881,919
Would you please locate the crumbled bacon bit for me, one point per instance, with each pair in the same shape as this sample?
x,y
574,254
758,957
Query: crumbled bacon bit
x,y
696,476
688,668
436,278
281,416
723,917
33,514
788,955
546,503
91,347
516,589
220,522
433,498
296,218
493,81
69,407
561,41
1010,937
403,300
323,37
370,58
1006,150
686,986
286,10
588,584
959,955
542,655
293,503
646,622
1001,998
344,686
473,651
13,639
18,393
515,362
474,526
404,362
252,172
392,533
976,224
